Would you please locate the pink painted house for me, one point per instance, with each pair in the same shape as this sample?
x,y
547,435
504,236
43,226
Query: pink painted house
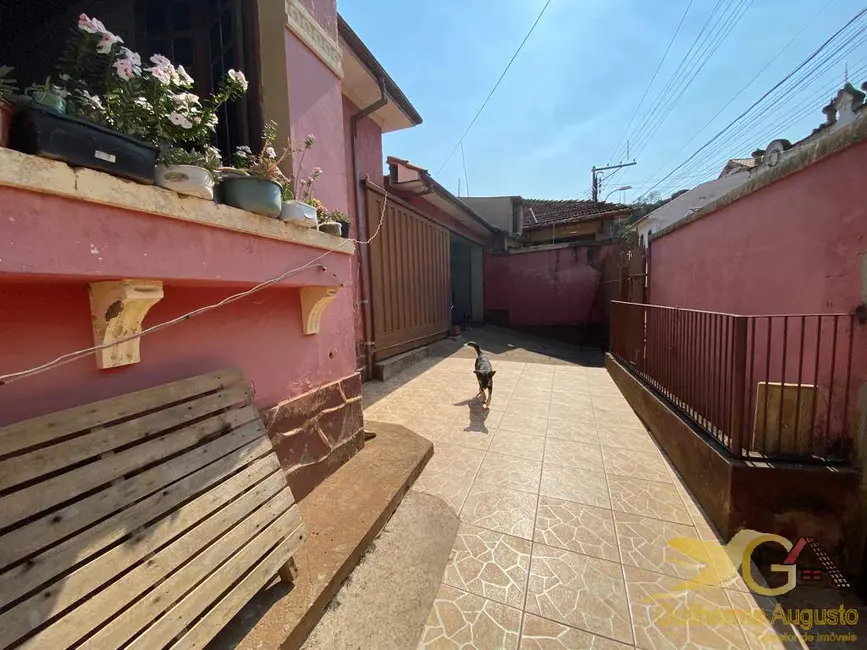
x,y
73,241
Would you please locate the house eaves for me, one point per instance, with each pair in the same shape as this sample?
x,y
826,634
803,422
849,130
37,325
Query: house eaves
x,y
360,83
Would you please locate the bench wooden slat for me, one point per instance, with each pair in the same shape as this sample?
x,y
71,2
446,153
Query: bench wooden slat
x,y
135,618
140,519
223,611
100,607
201,466
56,597
37,431
54,491
42,568
197,601
18,469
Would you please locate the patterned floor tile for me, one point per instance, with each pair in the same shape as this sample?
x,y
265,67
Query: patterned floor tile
x,y
523,408
579,591
575,429
542,634
462,621
501,509
666,616
623,438
575,527
657,500
457,461
617,418
577,400
451,489
761,629
541,394
489,564
610,401
458,435
574,454
636,464
533,425
518,444
575,484
571,412
647,544
511,472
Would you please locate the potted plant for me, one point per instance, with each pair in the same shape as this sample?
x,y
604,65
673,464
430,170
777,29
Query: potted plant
x,y
7,89
48,94
256,182
189,172
122,112
298,206
335,223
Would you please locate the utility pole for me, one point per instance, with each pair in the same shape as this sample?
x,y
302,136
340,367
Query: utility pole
x,y
594,187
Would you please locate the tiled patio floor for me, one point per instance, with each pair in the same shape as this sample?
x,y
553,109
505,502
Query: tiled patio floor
x,y
567,507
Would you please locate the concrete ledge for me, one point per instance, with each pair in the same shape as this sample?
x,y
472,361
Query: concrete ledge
x,y
388,368
787,499
32,173
343,515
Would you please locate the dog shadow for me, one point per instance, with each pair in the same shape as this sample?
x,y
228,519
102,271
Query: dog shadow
x,y
477,413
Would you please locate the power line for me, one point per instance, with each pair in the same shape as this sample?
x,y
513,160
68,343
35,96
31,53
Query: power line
x,y
763,97
652,79
496,85
751,81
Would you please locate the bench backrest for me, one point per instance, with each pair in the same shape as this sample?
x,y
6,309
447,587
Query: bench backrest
x,y
142,521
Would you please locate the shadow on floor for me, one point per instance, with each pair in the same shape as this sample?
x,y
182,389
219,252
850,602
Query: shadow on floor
x,y
500,344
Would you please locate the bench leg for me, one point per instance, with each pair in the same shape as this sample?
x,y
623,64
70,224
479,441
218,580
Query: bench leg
x,y
289,571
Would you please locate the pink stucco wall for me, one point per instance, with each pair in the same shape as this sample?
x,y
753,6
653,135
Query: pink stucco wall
x,y
316,107
794,247
370,164
52,247
547,287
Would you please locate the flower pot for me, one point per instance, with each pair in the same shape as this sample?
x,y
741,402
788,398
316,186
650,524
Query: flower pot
x,y
49,100
299,213
330,228
186,179
40,131
6,112
344,229
252,194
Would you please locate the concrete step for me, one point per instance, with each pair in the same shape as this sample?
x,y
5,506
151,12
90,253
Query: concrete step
x,y
385,602
387,368
343,515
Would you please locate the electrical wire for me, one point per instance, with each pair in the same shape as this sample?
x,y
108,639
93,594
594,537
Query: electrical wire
x,y
496,85
737,119
70,357
650,83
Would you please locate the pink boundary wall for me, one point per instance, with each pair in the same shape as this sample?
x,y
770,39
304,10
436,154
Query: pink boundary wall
x,y
796,246
547,287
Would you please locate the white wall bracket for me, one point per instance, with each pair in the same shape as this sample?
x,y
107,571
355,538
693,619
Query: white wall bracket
x,y
117,309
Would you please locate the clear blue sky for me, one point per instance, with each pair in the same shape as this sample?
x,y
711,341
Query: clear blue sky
x,y
568,97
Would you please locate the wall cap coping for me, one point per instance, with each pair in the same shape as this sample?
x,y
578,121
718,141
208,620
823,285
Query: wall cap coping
x,y
809,154
45,176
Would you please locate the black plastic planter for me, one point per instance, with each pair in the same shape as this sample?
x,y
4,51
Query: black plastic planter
x,y
43,132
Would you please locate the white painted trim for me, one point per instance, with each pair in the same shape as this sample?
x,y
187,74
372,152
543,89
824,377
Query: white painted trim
x,y
44,176
314,36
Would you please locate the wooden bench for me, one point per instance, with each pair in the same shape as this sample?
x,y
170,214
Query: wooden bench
x,y
144,521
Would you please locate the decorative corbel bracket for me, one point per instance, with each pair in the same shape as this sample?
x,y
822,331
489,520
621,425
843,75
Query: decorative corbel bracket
x,y
314,300
117,309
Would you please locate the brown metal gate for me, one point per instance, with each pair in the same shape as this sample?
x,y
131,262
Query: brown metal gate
x,y
410,285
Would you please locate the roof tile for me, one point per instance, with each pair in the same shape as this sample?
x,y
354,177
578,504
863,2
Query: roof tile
x,y
539,212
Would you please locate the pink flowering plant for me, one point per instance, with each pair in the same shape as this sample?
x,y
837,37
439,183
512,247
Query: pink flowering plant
x,y
110,84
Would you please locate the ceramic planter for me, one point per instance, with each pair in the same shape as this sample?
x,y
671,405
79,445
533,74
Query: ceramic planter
x,y
6,112
252,194
330,228
298,213
44,132
186,179
48,99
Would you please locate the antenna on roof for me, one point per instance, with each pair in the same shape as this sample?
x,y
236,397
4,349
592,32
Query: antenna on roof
x,y
533,214
845,73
